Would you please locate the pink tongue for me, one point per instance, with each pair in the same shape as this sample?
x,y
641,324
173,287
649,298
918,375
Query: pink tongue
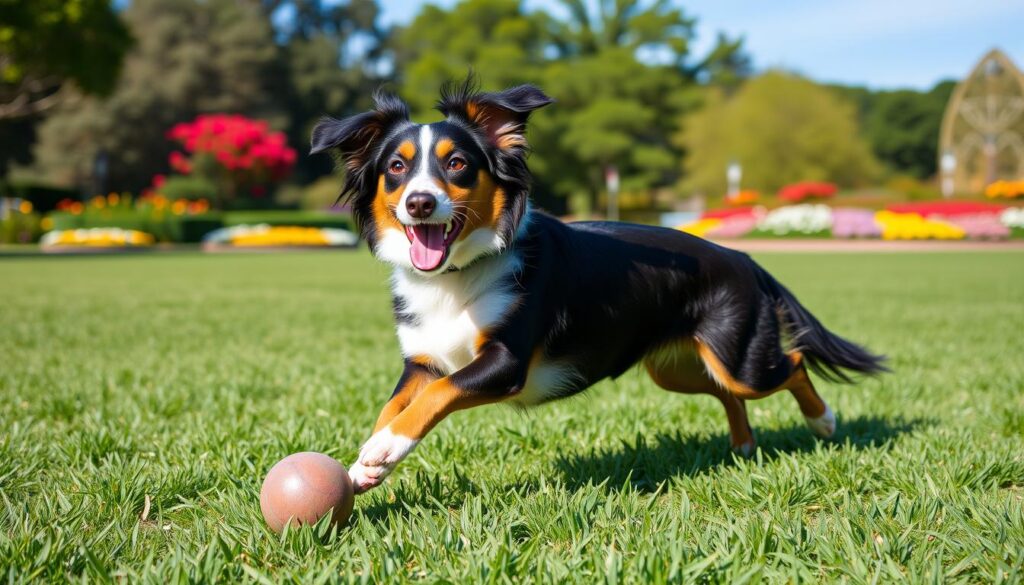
x,y
428,247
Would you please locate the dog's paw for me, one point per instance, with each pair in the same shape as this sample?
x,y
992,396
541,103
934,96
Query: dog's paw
x,y
823,426
746,449
378,458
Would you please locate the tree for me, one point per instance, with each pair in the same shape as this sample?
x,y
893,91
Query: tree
x,y
902,126
45,44
332,53
497,39
618,72
191,57
782,129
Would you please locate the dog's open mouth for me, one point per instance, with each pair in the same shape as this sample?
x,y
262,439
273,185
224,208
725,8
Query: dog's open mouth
x,y
431,243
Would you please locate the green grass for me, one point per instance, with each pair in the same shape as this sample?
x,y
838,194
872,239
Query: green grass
x,y
184,377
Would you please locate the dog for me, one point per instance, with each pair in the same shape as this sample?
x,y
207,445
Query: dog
x,y
497,302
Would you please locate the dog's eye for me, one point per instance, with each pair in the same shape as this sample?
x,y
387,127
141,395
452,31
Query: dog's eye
x,y
456,164
396,167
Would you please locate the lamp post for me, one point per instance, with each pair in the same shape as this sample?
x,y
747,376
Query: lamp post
x,y
611,181
733,174
947,165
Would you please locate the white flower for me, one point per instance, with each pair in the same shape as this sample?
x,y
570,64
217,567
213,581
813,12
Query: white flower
x,y
1012,217
805,219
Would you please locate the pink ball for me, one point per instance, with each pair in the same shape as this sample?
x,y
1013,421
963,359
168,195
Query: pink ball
x,y
303,487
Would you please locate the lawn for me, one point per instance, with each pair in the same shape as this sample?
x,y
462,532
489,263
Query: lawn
x,y
182,378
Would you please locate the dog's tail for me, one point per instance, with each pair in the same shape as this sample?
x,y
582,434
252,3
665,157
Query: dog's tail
x,y
828,355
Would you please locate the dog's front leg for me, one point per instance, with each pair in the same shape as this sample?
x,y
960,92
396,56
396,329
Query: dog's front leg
x,y
414,379
491,377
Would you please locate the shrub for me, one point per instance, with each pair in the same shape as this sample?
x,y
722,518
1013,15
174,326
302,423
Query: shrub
x,y
188,187
43,198
289,218
20,224
240,155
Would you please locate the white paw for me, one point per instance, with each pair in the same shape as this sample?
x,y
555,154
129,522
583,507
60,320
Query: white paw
x,y
378,458
824,425
745,449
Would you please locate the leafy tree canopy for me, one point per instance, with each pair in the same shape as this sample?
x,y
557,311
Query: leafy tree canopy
x,y
45,43
620,73
781,129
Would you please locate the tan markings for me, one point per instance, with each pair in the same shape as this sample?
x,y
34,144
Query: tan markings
x,y
444,147
800,386
435,402
481,340
497,207
509,135
678,368
480,206
724,378
798,381
472,111
421,360
384,204
405,395
407,149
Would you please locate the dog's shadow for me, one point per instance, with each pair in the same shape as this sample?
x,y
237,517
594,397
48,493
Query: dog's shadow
x,y
647,462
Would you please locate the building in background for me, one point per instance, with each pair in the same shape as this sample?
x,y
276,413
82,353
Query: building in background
x,y
982,138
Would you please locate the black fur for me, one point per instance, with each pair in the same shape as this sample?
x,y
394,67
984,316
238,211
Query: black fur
x,y
827,354
357,141
602,295
598,296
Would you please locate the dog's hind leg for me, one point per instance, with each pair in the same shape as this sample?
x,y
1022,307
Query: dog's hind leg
x,y
817,414
678,369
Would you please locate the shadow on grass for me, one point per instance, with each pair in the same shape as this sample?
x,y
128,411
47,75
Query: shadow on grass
x,y
643,462
647,462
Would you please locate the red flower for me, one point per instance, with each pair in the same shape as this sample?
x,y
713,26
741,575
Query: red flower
x,y
798,192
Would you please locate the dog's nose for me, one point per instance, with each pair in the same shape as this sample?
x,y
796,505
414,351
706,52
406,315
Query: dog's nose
x,y
421,205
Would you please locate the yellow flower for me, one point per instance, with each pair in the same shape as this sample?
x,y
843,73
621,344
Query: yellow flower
x,y
911,226
701,227
25,207
281,236
179,206
113,199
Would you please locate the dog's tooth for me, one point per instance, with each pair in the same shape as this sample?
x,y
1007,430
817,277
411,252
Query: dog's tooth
x,y
447,228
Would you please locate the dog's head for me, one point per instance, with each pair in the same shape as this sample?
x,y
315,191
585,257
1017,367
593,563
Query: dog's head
x,y
436,196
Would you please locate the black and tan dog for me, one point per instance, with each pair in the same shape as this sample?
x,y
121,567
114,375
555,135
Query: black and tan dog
x,y
495,302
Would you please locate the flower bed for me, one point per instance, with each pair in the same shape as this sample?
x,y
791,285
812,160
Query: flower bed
x,y
939,220
855,223
267,236
800,192
1005,190
96,238
805,220
911,226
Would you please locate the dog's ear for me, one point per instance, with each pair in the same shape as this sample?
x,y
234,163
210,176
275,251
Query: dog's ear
x,y
355,138
501,116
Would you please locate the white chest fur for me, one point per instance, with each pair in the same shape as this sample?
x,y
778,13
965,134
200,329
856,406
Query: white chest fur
x,y
449,311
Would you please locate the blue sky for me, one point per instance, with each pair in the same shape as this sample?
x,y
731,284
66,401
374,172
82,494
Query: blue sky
x,y
878,43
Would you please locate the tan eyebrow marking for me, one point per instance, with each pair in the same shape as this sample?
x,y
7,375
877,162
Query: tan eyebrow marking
x,y
444,147
407,149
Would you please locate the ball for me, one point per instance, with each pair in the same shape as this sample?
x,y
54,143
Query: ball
x,y
302,488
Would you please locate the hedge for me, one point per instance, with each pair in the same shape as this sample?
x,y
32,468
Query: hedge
x,y
284,217
43,198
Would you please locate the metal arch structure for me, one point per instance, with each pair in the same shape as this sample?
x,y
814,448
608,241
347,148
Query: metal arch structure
x,y
983,128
